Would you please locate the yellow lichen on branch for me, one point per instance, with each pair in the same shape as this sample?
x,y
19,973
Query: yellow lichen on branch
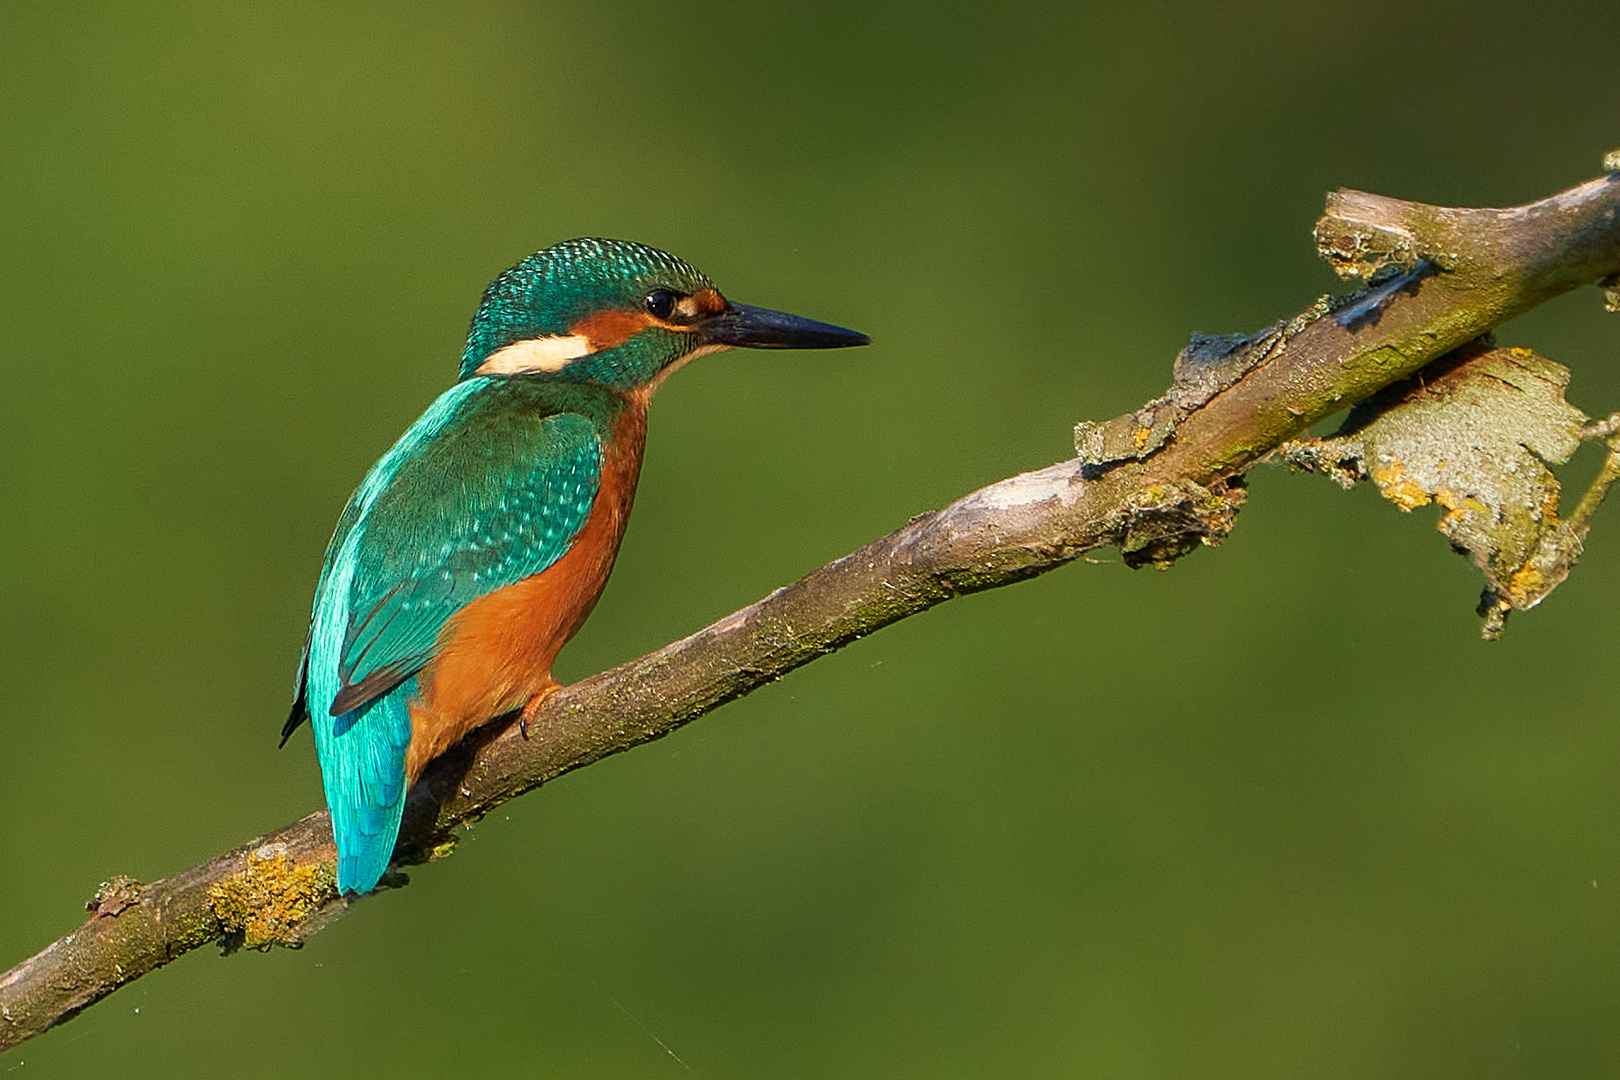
x,y
269,901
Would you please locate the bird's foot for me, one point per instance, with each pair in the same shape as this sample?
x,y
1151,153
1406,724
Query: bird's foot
x,y
533,707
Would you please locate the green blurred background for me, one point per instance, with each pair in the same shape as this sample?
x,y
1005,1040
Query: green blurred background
x,y
1275,813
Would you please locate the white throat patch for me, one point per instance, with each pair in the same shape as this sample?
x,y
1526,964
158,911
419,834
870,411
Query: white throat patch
x,y
536,354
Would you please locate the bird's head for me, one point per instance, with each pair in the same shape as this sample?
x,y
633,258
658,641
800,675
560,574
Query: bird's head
x,y
622,315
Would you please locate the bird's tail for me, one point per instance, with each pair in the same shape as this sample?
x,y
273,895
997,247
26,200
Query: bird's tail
x,y
363,768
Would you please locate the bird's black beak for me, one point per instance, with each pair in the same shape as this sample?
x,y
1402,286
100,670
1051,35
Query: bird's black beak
x,y
761,328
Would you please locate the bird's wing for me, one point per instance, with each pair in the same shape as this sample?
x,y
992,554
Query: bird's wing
x,y
301,683
484,504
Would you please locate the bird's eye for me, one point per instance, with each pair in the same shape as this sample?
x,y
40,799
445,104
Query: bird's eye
x,y
660,302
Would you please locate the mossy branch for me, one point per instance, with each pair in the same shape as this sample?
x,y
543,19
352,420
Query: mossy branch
x,y
1155,483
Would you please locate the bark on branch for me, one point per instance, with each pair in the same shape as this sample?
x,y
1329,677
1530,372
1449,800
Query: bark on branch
x,y
1441,277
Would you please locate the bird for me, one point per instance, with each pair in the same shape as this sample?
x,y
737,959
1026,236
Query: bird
x,y
478,545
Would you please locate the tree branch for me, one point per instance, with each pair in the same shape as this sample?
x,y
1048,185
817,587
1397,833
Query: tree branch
x,y
1440,277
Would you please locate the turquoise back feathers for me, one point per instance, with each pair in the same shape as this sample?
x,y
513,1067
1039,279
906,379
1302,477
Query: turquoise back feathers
x,y
412,549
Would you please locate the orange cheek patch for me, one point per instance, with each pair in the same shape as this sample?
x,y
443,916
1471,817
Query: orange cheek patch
x,y
701,304
607,329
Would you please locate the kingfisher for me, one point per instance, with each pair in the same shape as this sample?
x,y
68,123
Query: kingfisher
x,y
476,547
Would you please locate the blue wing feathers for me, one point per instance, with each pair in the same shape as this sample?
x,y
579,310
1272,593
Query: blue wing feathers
x,y
432,548
471,499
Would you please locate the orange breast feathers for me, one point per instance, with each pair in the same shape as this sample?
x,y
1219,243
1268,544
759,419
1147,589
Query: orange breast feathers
x,y
495,654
